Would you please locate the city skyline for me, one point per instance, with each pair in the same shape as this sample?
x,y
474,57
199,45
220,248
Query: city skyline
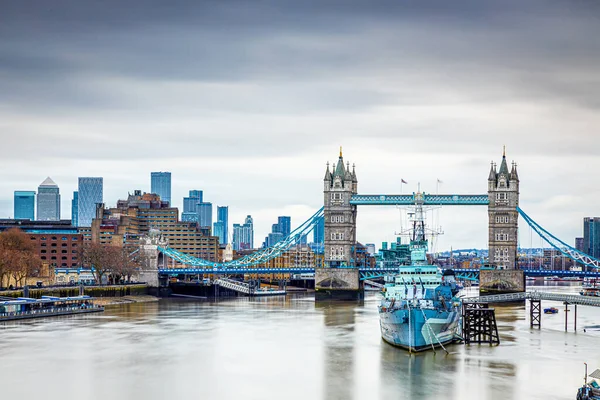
x,y
252,115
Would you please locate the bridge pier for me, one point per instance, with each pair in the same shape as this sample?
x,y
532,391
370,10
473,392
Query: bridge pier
x,y
338,284
535,313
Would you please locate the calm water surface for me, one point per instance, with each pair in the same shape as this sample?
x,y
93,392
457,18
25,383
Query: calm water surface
x,y
284,349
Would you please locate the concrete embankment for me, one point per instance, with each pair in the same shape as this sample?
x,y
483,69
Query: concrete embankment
x,y
98,292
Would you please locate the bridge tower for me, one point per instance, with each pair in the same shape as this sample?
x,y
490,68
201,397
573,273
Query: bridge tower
x,y
339,279
340,216
503,192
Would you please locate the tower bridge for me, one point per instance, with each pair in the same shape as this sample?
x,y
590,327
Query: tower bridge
x,y
340,272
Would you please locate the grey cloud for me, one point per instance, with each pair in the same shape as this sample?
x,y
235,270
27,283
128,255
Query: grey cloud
x,y
137,85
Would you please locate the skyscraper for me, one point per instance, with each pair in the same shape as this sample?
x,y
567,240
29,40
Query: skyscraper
x,y
591,236
218,228
48,201
190,206
74,209
205,215
160,184
24,204
579,244
279,231
89,194
243,235
319,231
223,217
285,224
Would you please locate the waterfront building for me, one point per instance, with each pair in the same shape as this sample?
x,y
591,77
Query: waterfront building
x,y
48,201
56,242
24,205
136,216
319,231
90,193
503,194
160,184
74,213
591,236
243,235
205,214
223,217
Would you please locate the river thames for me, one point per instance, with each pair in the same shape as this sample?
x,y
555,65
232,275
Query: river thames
x,y
285,348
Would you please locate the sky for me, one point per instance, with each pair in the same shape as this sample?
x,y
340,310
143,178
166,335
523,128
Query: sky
x,y
248,100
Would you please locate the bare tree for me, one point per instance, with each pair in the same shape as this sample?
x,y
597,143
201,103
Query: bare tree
x,y
99,258
126,263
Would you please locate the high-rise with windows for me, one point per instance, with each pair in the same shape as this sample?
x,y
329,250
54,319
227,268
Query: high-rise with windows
x,y
243,235
90,193
319,231
285,224
223,218
48,201
279,231
205,215
160,184
190,206
74,209
24,204
591,236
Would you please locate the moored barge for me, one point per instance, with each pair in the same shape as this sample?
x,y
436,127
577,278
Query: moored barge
x,y
12,309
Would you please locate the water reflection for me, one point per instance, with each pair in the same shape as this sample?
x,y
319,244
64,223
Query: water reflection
x,y
278,348
338,349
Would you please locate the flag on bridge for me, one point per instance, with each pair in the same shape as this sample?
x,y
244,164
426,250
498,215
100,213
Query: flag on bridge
x,y
439,181
403,181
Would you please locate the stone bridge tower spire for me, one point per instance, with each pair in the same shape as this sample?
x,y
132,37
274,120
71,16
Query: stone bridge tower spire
x,y
340,216
503,193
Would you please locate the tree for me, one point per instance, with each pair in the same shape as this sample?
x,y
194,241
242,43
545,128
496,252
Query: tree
x,y
99,257
18,258
126,263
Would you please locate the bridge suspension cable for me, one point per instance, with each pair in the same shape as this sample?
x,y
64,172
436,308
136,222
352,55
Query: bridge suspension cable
x,y
559,245
255,258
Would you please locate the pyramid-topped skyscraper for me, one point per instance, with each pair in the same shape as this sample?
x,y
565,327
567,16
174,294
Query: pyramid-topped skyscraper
x,y
48,201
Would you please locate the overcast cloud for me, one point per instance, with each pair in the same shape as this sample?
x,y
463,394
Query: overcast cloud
x,y
247,100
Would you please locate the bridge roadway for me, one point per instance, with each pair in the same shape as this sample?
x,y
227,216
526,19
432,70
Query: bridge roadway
x,y
535,295
366,273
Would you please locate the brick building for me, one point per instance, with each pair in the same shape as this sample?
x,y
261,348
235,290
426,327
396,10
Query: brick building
x,y
57,242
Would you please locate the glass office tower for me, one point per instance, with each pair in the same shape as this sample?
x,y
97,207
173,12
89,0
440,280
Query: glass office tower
x,y
24,205
89,194
160,184
48,201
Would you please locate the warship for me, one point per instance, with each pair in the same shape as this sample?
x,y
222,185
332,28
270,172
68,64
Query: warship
x,y
420,309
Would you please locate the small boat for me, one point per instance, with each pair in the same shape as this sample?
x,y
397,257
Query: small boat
x,y
590,390
550,310
551,278
572,279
